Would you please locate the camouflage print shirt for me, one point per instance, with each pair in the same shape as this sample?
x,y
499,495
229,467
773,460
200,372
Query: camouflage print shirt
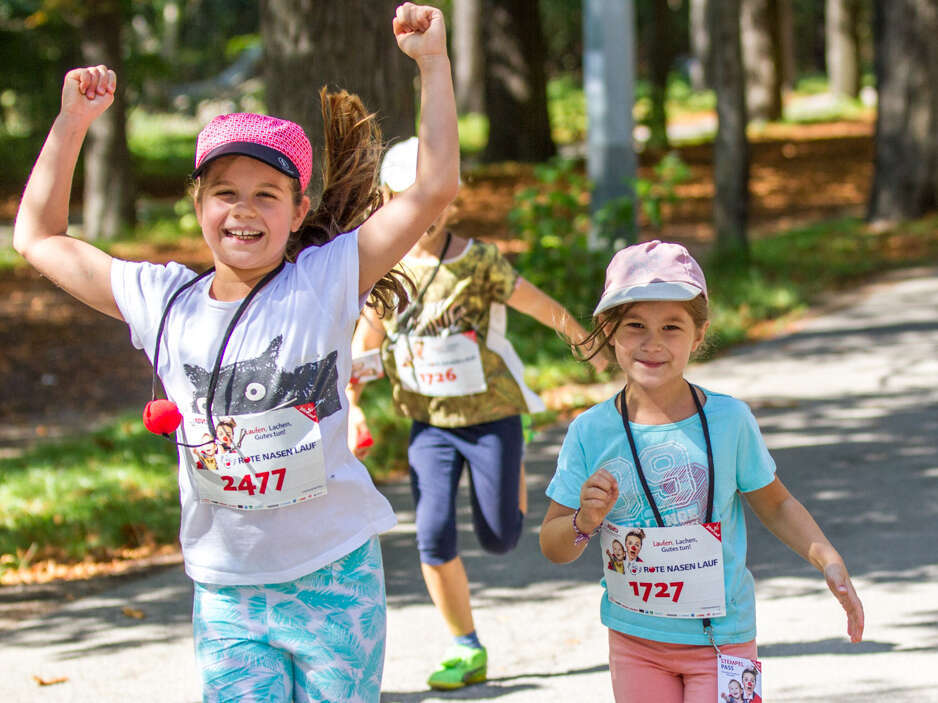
x,y
467,294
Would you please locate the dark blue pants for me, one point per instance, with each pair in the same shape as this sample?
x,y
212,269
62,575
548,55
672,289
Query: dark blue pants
x,y
493,452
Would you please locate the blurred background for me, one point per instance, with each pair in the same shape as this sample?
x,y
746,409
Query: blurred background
x,y
791,144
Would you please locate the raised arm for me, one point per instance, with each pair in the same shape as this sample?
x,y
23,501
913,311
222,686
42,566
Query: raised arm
x,y
39,234
388,234
531,300
791,522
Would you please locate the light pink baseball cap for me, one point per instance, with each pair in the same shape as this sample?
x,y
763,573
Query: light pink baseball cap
x,y
652,270
278,143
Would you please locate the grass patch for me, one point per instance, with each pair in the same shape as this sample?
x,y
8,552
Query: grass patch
x,y
91,496
789,271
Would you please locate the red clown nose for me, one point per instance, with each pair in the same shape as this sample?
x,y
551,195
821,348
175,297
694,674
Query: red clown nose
x,y
161,416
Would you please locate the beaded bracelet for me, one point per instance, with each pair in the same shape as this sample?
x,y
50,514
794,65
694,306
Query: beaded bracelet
x,y
580,535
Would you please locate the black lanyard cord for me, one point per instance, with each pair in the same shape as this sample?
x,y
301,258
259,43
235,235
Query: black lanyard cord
x,y
624,411
159,332
216,369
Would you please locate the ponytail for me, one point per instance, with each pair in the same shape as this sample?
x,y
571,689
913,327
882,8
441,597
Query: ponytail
x,y
352,150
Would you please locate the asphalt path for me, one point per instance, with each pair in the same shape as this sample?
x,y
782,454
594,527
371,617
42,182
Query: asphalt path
x,y
848,404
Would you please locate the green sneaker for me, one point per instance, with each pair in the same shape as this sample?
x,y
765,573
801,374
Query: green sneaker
x,y
462,665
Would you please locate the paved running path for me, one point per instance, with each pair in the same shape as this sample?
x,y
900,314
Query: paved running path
x,y
849,406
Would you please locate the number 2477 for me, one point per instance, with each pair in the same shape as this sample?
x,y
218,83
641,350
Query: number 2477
x,y
247,484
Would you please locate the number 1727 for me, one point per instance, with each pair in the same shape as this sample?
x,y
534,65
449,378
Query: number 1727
x,y
643,590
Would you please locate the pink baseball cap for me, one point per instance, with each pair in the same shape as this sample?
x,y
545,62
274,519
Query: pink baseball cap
x,y
278,143
652,270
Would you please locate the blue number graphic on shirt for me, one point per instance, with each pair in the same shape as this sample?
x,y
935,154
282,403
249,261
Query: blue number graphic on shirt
x,y
627,510
678,484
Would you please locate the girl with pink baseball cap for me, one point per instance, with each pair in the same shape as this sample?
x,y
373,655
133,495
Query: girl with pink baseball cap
x,y
673,460
279,530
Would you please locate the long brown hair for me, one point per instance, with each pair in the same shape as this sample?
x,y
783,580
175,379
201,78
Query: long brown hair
x,y
352,150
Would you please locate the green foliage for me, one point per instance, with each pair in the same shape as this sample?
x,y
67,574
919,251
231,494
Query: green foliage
x,y
473,133
552,218
165,222
19,153
162,147
652,193
112,489
235,45
680,100
566,105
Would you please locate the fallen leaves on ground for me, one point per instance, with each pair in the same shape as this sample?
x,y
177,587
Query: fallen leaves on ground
x,y
49,682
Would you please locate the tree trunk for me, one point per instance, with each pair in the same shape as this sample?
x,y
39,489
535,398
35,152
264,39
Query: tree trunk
x,y
730,149
108,207
700,45
786,33
346,45
761,47
905,175
662,56
843,46
468,62
515,83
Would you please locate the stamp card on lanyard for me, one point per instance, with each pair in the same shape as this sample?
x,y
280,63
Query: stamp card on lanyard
x,y
738,679
440,366
674,572
258,461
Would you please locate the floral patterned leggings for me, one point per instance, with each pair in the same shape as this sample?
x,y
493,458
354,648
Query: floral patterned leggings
x,y
318,638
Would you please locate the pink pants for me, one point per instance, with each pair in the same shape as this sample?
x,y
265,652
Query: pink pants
x,y
644,670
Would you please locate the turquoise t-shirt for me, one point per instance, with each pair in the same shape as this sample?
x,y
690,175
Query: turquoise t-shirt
x,y
674,459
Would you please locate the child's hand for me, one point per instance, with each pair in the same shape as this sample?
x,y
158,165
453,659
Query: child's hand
x,y
420,31
597,496
838,581
88,92
359,437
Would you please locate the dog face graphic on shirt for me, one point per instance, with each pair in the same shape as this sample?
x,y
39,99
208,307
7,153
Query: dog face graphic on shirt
x,y
255,385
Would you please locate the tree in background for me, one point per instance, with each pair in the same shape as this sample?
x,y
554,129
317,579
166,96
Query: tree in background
x,y
762,58
699,45
843,46
562,24
730,148
905,177
349,45
662,52
786,33
515,83
468,58
109,192
36,50
90,32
